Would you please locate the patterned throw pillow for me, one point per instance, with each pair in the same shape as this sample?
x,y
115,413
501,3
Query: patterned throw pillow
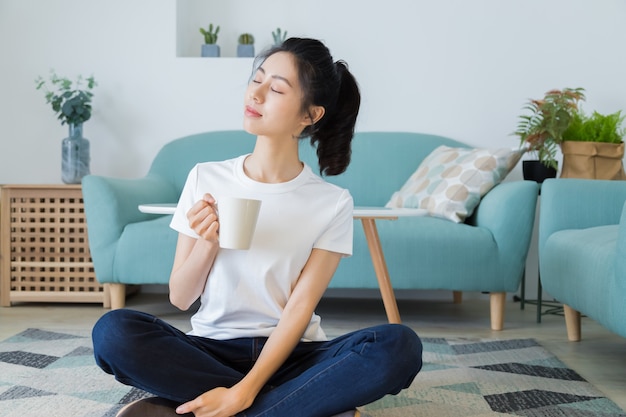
x,y
450,182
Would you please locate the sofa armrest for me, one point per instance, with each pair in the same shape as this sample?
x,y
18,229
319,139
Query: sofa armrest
x,y
508,211
620,261
568,203
111,204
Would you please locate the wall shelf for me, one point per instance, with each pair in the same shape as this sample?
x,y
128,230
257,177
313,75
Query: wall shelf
x,y
234,17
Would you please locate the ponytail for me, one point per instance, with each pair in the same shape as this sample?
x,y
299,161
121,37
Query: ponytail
x,y
333,133
330,85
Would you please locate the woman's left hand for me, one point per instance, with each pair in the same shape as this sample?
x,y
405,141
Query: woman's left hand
x,y
219,402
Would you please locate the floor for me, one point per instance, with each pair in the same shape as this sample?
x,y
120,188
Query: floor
x,y
600,357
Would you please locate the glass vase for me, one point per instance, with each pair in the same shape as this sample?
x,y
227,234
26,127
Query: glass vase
x,y
74,155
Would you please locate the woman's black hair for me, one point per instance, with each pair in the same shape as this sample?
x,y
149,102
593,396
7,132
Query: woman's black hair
x,y
330,85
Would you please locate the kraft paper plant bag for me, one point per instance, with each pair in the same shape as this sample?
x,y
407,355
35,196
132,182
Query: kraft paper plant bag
x,y
593,160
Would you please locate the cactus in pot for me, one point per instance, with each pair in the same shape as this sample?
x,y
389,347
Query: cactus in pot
x,y
279,36
245,48
210,47
210,36
246,39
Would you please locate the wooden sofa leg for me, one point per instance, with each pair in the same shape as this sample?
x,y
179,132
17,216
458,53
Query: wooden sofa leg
x,y
572,322
497,301
457,297
106,296
118,295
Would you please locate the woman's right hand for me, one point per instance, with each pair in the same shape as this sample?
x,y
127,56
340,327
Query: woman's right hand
x,y
203,218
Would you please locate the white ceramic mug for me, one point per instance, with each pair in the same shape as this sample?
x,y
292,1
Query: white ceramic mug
x,y
237,218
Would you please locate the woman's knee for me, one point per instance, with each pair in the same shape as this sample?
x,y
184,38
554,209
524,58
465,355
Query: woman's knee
x,y
410,340
112,324
113,331
403,349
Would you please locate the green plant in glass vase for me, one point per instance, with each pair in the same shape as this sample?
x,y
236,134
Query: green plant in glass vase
x,y
70,100
541,131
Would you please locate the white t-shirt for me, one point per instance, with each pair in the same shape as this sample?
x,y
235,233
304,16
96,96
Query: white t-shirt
x,y
247,290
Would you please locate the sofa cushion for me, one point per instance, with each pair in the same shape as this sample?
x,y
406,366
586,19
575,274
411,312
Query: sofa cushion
x,y
450,182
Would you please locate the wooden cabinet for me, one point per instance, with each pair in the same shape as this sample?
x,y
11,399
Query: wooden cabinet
x,y
44,251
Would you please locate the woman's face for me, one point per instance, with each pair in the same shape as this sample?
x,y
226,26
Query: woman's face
x,y
273,101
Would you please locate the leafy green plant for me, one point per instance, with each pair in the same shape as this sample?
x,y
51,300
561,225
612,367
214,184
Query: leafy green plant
x,y
246,39
542,130
70,102
210,36
279,36
596,128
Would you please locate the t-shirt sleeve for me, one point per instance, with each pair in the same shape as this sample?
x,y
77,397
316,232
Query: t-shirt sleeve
x,y
188,198
338,236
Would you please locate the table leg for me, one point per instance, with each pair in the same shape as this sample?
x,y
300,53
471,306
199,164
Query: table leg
x,y
380,267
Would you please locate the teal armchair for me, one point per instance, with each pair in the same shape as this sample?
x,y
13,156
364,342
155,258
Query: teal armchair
x,y
487,253
582,250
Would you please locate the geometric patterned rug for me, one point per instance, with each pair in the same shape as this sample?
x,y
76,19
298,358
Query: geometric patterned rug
x,y
53,374
469,377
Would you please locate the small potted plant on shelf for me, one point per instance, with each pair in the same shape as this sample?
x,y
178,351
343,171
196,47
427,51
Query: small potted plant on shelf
x,y
210,47
279,36
71,102
245,47
593,147
541,131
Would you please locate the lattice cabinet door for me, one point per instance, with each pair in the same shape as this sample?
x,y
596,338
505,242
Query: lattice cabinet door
x,y
44,250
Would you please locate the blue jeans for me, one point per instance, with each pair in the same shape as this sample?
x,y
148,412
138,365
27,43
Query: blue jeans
x,y
319,379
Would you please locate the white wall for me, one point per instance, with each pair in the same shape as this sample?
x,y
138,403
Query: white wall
x,y
452,67
459,68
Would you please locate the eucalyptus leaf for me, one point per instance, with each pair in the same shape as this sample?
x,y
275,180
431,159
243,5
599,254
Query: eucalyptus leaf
x,y
68,99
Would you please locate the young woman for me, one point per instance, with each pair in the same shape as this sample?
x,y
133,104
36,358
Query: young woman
x,y
256,347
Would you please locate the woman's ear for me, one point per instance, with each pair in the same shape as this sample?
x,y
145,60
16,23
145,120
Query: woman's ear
x,y
314,115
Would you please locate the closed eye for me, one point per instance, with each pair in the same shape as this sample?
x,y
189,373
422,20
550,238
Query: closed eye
x,y
260,74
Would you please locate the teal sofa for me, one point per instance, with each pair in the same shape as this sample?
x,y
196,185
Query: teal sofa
x,y
582,250
487,253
